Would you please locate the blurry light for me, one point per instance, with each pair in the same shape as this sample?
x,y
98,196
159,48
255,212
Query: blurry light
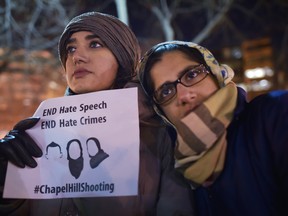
x,y
53,85
261,85
259,72
264,83
236,53
269,71
254,73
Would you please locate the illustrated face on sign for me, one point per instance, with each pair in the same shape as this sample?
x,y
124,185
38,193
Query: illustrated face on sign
x,y
76,162
90,65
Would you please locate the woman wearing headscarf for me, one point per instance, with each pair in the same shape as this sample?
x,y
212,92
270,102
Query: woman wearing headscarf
x,y
234,153
99,52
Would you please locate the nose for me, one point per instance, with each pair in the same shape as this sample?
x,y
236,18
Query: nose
x,y
184,94
79,56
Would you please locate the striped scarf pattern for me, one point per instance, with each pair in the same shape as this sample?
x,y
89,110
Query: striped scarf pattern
x,y
201,137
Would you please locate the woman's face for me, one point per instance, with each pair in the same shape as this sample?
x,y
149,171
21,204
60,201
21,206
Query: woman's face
x,y
171,66
90,65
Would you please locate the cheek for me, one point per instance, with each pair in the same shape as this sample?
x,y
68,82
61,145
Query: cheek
x,y
108,69
211,88
67,75
108,78
170,113
108,66
68,70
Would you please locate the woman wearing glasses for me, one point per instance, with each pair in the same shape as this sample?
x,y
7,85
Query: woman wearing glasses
x,y
233,152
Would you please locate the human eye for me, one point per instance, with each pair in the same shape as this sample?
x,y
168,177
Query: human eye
x,y
165,91
95,44
191,74
70,49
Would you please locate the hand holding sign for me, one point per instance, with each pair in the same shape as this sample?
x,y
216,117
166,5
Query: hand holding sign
x,y
18,147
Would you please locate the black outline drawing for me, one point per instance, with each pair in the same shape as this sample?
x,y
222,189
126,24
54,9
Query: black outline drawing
x,y
75,165
99,156
53,145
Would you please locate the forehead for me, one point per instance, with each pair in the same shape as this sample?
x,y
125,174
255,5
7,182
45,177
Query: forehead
x,y
81,35
169,67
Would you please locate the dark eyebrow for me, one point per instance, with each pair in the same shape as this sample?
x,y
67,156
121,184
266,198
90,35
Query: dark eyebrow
x,y
88,37
178,75
70,40
92,36
183,71
190,67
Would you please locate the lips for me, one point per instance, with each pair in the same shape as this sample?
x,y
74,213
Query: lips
x,y
79,73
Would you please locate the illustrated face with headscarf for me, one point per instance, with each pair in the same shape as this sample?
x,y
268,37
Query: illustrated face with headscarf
x,y
98,52
179,76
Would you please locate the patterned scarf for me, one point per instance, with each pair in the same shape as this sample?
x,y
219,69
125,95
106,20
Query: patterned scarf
x,y
201,142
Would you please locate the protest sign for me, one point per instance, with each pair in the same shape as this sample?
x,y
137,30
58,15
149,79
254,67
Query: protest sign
x,y
90,145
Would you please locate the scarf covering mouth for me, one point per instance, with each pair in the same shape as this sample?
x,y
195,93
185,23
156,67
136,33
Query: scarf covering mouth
x,y
116,35
201,137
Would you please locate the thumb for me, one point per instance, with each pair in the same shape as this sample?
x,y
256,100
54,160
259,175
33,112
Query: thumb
x,y
26,123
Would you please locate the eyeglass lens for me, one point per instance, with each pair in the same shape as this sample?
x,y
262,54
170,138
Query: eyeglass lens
x,y
191,77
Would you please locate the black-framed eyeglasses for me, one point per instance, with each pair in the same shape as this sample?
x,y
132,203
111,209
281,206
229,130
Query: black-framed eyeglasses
x,y
189,78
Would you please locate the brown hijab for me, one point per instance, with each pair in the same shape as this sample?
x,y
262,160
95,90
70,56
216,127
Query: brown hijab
x,y
116,35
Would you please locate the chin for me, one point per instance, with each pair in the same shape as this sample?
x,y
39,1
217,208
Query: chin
x,y
81,91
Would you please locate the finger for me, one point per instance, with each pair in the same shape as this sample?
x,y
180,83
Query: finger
x,y
26,123
29,144
22,153
8,152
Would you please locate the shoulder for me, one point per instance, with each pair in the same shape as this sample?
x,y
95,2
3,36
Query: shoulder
x,y
267,109
272,100
279,96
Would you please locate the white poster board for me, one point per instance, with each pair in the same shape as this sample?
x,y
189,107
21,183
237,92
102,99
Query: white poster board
x,y
90,147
